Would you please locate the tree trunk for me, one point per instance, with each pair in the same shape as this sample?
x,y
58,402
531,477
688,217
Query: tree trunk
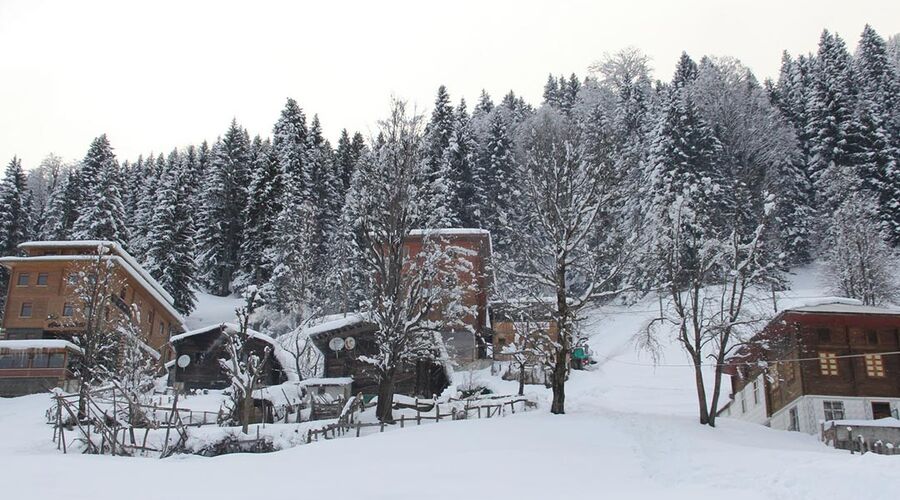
x,y
717,389
246,412
385,399
558,382
701,390
522,379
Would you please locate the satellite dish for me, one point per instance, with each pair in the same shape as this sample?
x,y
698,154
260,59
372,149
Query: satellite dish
x,y
349,343
336,344
183,361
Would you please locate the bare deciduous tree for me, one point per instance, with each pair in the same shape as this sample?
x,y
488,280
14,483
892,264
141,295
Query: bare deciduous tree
x,y
413,297
244,365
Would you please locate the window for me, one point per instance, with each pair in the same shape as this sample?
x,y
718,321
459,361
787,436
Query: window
x,y
774,376
68,310
874,365
828,363
881,410
13,361
872,337
151,317
756,391
795,420
122,293
824,334
162,328
42,279
57,360
834,410
40,360
22,280
25,312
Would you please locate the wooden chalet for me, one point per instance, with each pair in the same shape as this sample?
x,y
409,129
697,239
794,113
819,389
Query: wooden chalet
x,y
818,363
523,317
355,333
469,342
41,305
204,347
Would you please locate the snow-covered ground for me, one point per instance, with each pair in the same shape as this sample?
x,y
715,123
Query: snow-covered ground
x,y
630,432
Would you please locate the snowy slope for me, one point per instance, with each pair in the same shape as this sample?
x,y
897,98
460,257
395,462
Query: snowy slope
x,y
631,432
212,310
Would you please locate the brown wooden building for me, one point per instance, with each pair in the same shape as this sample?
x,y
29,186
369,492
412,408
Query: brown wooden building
x,y
816,363
470,343
523,317
41,301
204,347
420,378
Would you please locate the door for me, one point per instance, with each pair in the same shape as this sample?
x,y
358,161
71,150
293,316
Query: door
x,y
881,410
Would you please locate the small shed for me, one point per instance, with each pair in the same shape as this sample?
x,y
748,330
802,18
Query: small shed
x,y
357,338
205,346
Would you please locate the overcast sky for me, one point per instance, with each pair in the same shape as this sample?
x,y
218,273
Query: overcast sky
x,y
159,74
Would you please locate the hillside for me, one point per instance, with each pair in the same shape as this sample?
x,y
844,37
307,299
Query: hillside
x,y
630,432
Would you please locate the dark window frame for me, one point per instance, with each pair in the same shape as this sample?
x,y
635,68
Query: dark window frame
x,y
30,309
43,279
19,279
834,409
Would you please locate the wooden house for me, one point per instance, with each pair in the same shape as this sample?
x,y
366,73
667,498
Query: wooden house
x,y
469,342
355,334
818,363
204,347
41,302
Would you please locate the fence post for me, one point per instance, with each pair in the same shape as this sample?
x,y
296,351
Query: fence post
x,y
402,420
382,426
358,425
437,412
308,436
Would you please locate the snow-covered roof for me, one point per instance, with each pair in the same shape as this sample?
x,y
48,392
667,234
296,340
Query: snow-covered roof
x,y
326,381
881,422
453,231
24,345
280,353
334,324
127,262
841,305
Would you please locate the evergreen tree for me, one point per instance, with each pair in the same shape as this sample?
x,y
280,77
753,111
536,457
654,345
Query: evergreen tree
x,y
485,105
263,206
461,157
170,256
494,175
221,228
15,220
438,181
289,141
831,125
101,215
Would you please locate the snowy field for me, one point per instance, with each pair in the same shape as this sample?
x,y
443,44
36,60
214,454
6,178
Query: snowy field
x,y
631,432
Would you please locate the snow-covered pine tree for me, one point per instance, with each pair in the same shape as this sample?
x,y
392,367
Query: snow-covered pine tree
x,y
552,92
877,133
461,157
437,178
170,256
292,257
221,226
831,125
15,212
15,217
289,141
61,209
263,207
101,216
485,105
323,191
146,191
494,174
